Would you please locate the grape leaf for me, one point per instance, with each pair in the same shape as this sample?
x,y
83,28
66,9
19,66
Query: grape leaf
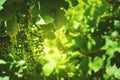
x,y
2,61
12,26
117,74
60,19
111,70
47,18
97,64
84,65
48,5
96,43
36,9
81,43
48,68
4,78
1,3
48,31
117,23
49,35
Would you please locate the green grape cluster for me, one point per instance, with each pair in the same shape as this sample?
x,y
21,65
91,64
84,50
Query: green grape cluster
x,y
28,47
25,35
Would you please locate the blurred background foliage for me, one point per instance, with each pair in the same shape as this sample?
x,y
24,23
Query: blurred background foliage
x,y
59,40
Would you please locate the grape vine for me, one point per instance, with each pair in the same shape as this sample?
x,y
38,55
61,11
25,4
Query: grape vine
x,y
59,39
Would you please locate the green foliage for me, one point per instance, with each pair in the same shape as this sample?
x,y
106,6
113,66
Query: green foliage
x,y
1,3
59,40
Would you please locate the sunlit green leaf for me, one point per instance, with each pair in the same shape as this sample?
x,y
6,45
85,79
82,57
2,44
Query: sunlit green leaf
x,y
97,64
1,3
111,70
117,74
46,18
48,68
117,23
2,62
5,78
